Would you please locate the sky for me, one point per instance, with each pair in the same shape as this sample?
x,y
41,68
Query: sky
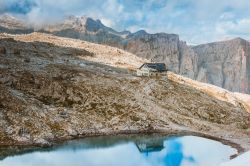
x,y
195,21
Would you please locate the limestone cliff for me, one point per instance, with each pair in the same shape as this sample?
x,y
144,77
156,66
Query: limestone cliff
x,y
225,64
162,47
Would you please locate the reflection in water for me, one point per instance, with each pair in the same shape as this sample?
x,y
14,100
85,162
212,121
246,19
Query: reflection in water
x,y
175,154
150,145
129,151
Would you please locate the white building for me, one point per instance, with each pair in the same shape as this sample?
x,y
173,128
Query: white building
x,y
151,69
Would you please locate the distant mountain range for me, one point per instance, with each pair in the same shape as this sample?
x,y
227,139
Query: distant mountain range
x,y
225,64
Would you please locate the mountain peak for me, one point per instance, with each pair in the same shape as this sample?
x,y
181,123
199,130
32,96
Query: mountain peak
x,y
238,39
6,16
9,21
83,22
93,25
141,32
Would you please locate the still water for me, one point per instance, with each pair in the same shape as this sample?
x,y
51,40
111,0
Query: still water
x,y
128,151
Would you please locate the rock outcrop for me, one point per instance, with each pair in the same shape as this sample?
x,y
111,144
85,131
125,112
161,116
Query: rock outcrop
x,y
225,64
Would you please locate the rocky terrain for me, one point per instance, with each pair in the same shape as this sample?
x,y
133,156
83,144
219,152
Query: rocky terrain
x,y
159,47
54,88
224,64
10,24
237,99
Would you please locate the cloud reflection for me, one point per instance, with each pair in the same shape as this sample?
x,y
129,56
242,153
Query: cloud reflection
x,y
179,151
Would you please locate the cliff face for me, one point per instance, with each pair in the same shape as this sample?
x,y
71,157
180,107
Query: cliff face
x,y
224,64
166,48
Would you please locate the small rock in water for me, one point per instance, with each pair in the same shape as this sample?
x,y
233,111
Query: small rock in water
x,y
42,141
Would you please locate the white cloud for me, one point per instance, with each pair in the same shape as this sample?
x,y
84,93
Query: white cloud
x,y
196,21
234,28
227,16
107,22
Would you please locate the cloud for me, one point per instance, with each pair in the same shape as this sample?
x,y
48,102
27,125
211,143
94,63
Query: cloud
x,y
195,21
16,6
235,28
107,22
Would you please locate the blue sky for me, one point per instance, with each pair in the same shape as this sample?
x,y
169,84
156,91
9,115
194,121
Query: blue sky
x,y
196,21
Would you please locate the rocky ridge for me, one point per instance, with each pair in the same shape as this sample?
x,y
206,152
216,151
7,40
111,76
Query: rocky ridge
x,y
162,47
10,24
158,47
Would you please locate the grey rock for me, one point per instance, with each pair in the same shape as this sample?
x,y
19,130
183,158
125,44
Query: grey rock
x,y
42,141
225,64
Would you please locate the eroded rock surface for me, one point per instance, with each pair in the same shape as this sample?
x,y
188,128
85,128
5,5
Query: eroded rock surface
x,y
225,64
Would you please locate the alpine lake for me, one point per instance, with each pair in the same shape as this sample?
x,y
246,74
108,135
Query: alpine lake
x,y
128,150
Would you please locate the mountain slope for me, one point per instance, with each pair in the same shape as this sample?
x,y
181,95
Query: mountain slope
x,y
225,64
53,89
10,24
158,47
